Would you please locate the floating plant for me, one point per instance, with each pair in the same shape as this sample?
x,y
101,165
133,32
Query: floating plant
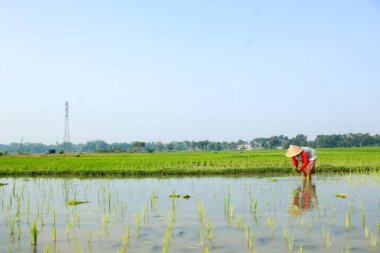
x,y
341,195
76,202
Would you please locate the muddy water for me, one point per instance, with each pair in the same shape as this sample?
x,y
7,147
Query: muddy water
x,y
244,214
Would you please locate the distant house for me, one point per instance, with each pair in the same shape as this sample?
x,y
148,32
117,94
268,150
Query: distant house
x,y
50,151
244,147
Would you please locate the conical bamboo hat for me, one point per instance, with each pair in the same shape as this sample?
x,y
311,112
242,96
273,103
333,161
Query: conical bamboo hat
x,y
293,150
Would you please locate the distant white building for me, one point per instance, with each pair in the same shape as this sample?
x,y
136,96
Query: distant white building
x,y
244,147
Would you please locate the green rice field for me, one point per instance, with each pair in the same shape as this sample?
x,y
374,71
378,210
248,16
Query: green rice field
x,y
186,163
247,201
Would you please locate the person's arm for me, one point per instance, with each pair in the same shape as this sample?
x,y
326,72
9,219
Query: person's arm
x,y
305,160
295,162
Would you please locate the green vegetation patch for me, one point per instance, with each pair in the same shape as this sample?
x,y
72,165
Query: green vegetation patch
x,y
184,196
254,162
76,202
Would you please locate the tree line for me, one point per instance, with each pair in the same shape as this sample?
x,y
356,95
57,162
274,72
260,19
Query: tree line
x,y
321,141
274,142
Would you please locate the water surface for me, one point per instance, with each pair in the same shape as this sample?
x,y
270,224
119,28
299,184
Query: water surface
x,y
245,214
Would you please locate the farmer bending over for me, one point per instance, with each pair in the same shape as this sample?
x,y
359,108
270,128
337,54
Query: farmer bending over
x,y
306,156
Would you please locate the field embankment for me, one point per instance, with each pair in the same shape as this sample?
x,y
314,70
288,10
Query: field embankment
x,y
185,163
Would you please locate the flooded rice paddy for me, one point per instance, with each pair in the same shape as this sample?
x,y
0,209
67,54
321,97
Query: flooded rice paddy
x,y
208,214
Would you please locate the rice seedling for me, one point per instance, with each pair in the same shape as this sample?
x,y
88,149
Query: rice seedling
x,y
300,249
105,221
47,248
123,208
373,241
210,230
153,202
77,218
240,222
100,233
173,207
201,214
125,239
286,235
145,214
168,233
89,236
203,236
67,228
227,202
247,232
253,205
328,242
250,243
54,233
291,244
109,200
53,216
18,211
42,221
348,221
346,249
12,227
362,213
309,225
138,221
231,214
78,249
19,231
272,224
128,229
366,232
34,232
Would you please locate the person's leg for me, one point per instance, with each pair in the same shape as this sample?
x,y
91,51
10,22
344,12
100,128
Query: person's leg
x,y
309,169
313,169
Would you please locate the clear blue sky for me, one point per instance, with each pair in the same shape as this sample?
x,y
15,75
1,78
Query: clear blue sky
x,y
188,70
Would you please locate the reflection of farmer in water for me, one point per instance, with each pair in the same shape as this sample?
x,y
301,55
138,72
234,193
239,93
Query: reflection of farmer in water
x,y
303,199
306,156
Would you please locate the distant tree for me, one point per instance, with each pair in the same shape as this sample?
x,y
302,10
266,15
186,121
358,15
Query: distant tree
x,y
68,147
138,146
92,146
300,140
159,146
274,142
213,146
170,146
260,143
321,141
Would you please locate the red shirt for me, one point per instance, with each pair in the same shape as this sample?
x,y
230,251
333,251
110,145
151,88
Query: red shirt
x,y
305,160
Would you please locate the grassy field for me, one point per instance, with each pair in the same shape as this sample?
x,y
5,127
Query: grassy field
x,y
185,163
